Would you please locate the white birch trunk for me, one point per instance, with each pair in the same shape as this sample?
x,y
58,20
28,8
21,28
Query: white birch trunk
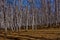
x,y
56,11
20,15
5,17
11,18
33,23
46,14
27,13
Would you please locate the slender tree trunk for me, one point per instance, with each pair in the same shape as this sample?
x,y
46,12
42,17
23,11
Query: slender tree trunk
x,y
56,11
58,1
49,13
32,10
33,22
44,14
27,13
21,14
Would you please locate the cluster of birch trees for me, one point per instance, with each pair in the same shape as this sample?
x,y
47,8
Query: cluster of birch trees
x,y
16,17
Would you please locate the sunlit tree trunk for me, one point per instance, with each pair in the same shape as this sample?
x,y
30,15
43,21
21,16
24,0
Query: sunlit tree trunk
x,y
17,18
49,13
36,17
4,15
40,18
21,12
27,22
33,22
7,16
11,18
52,5
56,12
5,22
30,18
32,11
44,14
1,12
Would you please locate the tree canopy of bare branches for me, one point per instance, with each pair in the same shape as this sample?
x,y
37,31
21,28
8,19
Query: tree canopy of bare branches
x,y
17,17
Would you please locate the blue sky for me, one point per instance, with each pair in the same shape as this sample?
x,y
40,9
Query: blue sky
x,y
37,3
25,2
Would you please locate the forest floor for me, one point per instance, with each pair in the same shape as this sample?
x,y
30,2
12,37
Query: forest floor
x,y
51,33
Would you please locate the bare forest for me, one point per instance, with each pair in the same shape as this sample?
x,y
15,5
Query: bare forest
x,y
19,17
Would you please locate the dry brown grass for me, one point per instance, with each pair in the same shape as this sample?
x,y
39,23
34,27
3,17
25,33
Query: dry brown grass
x,y
45,33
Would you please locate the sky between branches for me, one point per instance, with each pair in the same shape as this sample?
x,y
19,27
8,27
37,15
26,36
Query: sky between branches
x,y
37,3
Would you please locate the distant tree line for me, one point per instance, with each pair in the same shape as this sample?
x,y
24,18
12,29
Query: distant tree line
x,y
19,17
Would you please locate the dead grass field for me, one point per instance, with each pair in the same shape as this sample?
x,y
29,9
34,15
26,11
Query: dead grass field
x,y
33,34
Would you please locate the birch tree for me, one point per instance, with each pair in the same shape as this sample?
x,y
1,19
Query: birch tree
x,y
56,12
1,14
36,17
33,23
4,15
14,16
44,13
20,14
49,13
27,13
11,18
32,11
